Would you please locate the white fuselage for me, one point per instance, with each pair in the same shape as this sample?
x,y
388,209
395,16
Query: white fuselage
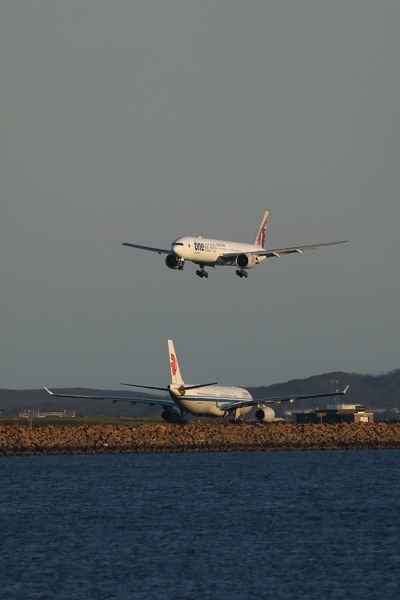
x,y
207,251
210,401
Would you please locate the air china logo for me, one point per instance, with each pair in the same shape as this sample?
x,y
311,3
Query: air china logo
x,y
173,364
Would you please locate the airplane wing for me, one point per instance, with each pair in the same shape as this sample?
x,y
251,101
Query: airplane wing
x,y
159,250
280,251
151,401
299,249
280,399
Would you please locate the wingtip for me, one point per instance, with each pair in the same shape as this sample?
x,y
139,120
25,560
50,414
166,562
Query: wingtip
x,y
47,390
345,389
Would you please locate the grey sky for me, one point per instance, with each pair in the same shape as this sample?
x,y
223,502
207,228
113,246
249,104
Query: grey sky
x,y
143,121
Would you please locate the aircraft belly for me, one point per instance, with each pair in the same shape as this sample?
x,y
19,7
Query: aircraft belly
x,y
201,407
212,407
196,257
225,263
216,411
200,261
203,259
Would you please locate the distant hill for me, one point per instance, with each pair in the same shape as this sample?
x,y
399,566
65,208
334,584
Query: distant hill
x,y
375,392
12,401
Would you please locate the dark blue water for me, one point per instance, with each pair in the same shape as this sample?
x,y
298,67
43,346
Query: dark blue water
x,y
187,526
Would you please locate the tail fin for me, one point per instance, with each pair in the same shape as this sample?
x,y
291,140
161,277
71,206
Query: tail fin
x,y
175,372
260,237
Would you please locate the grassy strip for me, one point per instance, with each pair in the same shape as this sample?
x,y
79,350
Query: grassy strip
x,y
75,421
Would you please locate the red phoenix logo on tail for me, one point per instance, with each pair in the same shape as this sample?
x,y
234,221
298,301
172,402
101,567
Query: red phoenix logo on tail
x,y
173,364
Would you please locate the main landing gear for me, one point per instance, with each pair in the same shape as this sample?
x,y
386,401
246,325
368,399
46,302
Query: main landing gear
x,y
237,417
242,273
202,272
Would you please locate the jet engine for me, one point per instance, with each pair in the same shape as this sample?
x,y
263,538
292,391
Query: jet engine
x,y
172,415
174,263
246,261
266,414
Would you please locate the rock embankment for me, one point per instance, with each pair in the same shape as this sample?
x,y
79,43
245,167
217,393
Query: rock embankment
x,y
198,437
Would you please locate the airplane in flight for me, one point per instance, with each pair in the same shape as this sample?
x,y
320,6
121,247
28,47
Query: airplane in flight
x,y
206,252
214,401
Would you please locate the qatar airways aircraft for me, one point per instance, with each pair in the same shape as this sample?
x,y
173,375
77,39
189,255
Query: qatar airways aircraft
x,y
215,401
209,252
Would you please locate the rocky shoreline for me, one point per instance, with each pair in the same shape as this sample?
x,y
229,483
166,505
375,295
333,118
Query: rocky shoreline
x,y
198,437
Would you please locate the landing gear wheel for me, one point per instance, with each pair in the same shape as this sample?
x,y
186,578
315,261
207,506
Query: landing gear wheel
x,y
202,273
242,273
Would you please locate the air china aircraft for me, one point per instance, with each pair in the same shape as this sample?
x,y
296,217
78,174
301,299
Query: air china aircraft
x,y
209,252
215,401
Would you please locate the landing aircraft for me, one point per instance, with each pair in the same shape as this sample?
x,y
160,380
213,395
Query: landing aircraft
x,y
215,401
207,252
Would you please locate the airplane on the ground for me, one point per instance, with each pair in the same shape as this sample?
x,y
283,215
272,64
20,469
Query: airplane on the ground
x,y
211,252
215,401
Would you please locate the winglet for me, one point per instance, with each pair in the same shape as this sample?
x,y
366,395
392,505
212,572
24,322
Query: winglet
x,y
51,393
345,389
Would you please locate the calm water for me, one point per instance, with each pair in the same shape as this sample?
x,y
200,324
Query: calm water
x,y
187,526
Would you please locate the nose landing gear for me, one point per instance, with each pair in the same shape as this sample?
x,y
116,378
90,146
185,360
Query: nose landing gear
x,y
202,272
242,273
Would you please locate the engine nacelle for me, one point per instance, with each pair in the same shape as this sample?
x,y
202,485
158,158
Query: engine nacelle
x,y
173,262
246,261
172,415
266,414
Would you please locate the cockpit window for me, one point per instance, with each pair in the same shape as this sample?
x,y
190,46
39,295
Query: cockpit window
x,y
178,244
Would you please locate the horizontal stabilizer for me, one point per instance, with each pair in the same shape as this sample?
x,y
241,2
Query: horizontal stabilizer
x,y
199,385
147,387
186,387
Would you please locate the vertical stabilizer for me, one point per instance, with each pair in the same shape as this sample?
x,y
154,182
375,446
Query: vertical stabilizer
x,y
175,372
260,237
